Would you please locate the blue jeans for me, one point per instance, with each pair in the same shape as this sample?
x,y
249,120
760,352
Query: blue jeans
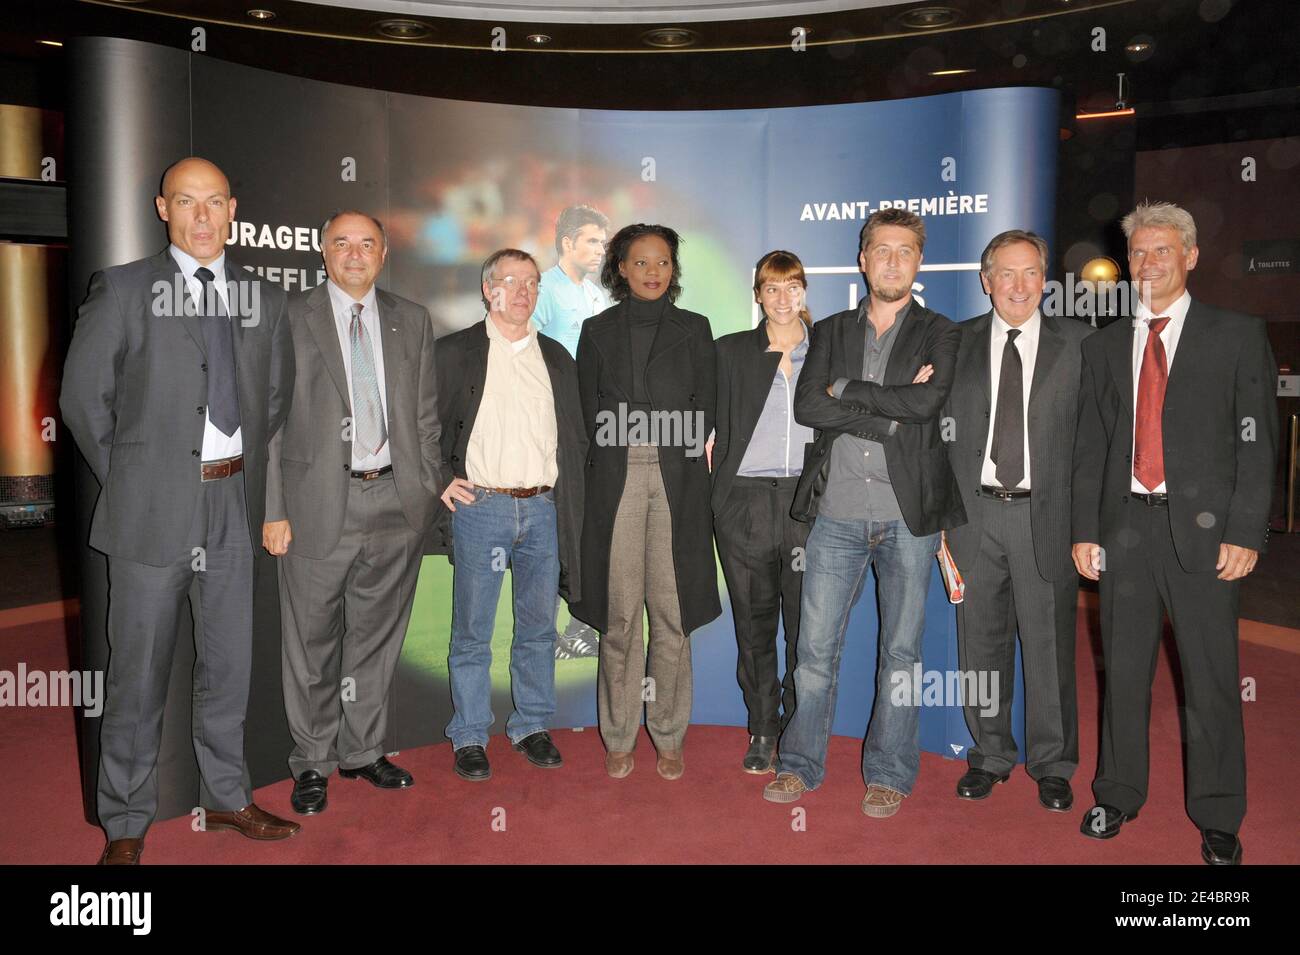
x,y
495,531
838,555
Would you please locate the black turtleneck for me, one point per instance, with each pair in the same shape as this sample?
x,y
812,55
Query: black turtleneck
x,y
644,317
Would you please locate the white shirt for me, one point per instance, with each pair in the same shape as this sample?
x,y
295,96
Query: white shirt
x,y
515,436
216,445
1026,344
1177,315
341,303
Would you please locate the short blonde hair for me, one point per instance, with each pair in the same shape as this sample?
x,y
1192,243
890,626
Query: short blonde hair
x,y
1161,215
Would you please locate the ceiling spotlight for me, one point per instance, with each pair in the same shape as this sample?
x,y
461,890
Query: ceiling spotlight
x,y
402,29
50,43
950,72
670,37
260,13
929,18
538,39
1138,47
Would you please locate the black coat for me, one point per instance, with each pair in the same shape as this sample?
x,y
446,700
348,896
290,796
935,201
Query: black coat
x,y
461,363
1218,464
914,453
680,376
746,370
1053,412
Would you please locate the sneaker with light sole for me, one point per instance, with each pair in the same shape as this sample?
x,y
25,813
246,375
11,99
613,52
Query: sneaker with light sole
x,y
881,802
585,643
787,787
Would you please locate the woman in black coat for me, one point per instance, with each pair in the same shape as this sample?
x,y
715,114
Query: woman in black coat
x,y
757,459
646,372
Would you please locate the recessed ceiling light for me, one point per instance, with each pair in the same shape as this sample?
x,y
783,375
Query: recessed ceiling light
x,y
50,43
670,37
260,13
538,39
402,29
950,72
929,18
1138,47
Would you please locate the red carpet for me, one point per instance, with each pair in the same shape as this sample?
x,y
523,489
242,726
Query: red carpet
x,y
715,813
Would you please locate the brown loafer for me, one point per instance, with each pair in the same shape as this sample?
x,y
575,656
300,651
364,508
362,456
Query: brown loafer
x,y
881,802
252,822
122,852
618,764
670,764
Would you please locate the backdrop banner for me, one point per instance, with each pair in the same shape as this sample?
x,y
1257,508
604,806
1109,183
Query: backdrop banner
x,y
453,181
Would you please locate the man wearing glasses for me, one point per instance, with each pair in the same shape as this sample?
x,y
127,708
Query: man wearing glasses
x,y
514,441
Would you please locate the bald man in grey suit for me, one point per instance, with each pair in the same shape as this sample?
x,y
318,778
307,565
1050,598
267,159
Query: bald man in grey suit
x,y
180,368
352,483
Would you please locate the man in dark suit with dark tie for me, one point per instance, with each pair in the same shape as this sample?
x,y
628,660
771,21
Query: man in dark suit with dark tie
x,y
1173,475
179,370
1012,409
352,483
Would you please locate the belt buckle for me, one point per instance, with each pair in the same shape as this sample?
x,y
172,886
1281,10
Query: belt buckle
x,y
371,474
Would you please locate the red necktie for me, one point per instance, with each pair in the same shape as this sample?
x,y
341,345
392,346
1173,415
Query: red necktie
x,y
1148,445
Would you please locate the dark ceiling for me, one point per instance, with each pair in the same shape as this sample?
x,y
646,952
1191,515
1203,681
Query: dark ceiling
x,y
1235,64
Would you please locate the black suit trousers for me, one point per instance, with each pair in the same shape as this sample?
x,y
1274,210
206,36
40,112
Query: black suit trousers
x,y
762,551
1136,586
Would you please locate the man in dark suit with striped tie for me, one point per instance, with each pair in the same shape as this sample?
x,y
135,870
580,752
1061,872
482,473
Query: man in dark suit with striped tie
x,y
1013,407
1173,475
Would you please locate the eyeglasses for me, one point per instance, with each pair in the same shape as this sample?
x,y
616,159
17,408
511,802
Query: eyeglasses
x,y
513,283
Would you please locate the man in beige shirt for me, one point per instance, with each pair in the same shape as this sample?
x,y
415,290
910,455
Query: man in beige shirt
x,y
513,438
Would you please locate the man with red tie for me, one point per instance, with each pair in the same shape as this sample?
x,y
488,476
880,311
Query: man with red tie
x,y
1173,474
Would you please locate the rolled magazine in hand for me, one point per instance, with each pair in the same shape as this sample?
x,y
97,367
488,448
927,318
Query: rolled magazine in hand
x,y
952,579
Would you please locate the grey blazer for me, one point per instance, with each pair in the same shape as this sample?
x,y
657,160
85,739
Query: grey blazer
x,y
310,459
134,391
1053,413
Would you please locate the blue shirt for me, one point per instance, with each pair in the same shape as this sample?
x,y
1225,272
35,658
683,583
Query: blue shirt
x,y
777,445
563,305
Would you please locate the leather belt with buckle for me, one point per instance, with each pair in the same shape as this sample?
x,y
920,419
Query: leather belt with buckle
x,y
371,475
519,491
216,470
1004,495
1152,500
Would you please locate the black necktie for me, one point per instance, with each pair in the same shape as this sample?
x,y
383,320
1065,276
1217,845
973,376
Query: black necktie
x,y
1008,451
223,400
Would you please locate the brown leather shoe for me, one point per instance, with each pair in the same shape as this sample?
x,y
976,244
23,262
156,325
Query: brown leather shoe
x,y
670,764
618,764
787,787
252,822
122,852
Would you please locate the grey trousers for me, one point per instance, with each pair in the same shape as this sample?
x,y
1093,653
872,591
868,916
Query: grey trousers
x,y
641,573
343,621
1005,594
145,604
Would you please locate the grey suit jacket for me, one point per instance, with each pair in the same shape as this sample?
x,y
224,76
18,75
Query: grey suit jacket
x,y
134,391
311,456
1053,413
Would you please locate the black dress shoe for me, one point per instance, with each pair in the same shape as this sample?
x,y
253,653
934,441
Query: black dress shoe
x,y
540,751
472,764
759,756
1103,822
978,783
381,773
308,793
1220,848
1055,793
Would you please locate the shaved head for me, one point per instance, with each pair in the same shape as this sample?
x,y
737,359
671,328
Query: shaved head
x,y
194,200
178,170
